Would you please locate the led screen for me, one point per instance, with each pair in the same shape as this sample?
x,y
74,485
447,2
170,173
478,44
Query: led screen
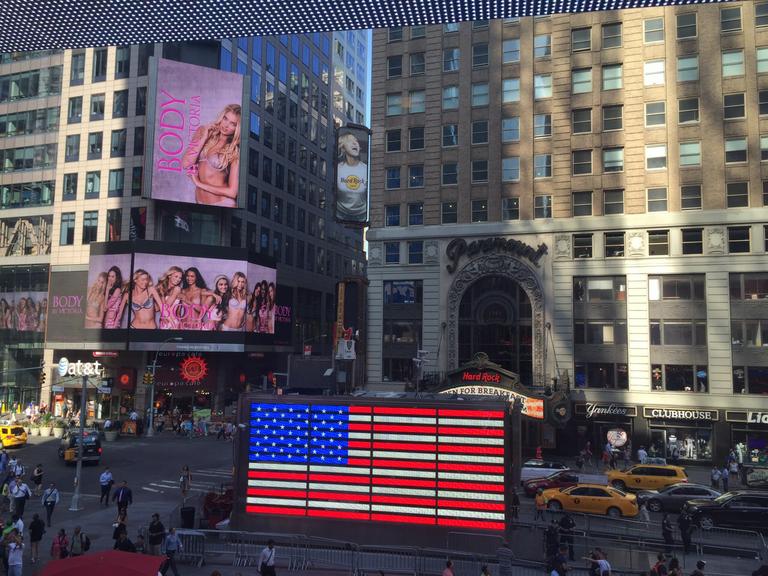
x,y
23,311
351,187
106,297
429,464
263,312
196,135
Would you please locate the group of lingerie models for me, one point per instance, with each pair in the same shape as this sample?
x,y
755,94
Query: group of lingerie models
x,y
181,300
26,315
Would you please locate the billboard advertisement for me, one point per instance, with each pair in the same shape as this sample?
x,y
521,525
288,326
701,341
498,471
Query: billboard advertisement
x,y
263,311
420,463
106,297
351,170
66,309
23,311
194,135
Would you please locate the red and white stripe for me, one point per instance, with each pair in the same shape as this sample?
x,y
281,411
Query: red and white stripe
x,y
276,488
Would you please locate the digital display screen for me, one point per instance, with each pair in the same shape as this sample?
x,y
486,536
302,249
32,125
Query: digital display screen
x,y
351,188
106,298
196,132
425,464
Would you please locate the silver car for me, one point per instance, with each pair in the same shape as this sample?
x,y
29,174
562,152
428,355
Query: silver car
x,y
672,497
540,469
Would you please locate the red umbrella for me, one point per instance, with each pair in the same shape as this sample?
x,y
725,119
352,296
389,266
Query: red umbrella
x,y
112,562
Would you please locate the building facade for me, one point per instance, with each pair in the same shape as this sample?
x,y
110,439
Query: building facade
x,y
350,76
583,198
73,124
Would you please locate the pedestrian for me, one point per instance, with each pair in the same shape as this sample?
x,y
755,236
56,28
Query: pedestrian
x,y
684,523
20,493
50,499
484,571
123,497
185,481
733,470
514,505
120,526
551,542
567,524
666,532
105,482
80,543
642,455
660,568
699,568
644,514
588,454
600,560
559,570
15,550
267,560
140,545
8,530
627,457
156,535
18,523
60,545
674,568
37,479
172,547
580,461
724,478
4,461
714,477
36,531
541,505
448,570
123,543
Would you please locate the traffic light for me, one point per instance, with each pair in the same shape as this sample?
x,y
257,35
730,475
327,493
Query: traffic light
x,y
148,378
42,377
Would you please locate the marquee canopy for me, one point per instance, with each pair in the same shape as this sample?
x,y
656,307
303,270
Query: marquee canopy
x,y
59,24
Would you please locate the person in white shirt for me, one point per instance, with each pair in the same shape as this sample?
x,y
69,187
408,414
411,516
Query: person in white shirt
x,y
105,482
642,455
18,523
267,560
351,179
20,492
15,554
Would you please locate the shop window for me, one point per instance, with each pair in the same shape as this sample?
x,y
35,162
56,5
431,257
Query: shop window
x,y
679,378
672,441
600,289
397,369
403,292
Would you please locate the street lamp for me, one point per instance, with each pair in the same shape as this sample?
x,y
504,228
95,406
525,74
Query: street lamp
x,y
151,423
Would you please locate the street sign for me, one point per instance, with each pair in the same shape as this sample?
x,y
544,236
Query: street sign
x,y
308,350
104,389
57,388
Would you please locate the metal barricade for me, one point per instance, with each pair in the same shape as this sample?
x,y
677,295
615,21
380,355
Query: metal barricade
x,y
192,547
389,559
326,553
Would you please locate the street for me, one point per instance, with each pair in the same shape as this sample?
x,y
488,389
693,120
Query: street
x,y
151,466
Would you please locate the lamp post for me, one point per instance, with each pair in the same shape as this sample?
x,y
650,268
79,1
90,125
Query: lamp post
x,y
153,368
75,506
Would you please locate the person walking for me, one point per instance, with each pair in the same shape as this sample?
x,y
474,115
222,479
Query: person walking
x,y
185,482
156,535
514,505
123,497
541,505
724,474
714,477
674,568
105,482
699,568
50,499
267,560
172,547
120,527
20,493
447,571
36,531
567,524
642,454
666,532
684,523
60,546
37,479
124,544
80,543
15,551
660,568
645,515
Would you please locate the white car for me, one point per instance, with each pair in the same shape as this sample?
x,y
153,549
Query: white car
x,y
540,469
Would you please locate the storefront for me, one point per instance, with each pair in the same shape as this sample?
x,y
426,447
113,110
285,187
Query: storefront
x,y
600,423
749,435
685,434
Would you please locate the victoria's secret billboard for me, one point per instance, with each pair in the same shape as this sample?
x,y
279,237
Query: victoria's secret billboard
x,y
194,134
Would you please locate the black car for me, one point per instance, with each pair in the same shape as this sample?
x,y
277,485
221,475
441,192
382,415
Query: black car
x,y
738,509
672,497
70,444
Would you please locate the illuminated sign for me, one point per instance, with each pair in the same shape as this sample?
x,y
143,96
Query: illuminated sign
x,y
79,368
532,407
680,413
468,376
351,186
423,462
193,368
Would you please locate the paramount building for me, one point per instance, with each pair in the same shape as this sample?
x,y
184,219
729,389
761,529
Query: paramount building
x,y
582,198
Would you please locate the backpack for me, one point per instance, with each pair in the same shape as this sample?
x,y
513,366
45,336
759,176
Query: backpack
x,y
655,571
85,542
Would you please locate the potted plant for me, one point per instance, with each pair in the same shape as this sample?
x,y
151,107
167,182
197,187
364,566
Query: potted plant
x,y
27,425
34,429
58,428
45,425
110,431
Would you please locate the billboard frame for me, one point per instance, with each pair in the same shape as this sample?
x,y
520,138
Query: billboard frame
x,y
352,223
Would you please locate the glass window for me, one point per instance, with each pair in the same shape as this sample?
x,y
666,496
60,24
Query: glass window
x,y
613,202
418,63
394,140
393,177
114,224
75,110
510,208
69,191
451,97
735,150
511,50
99,65
762,98
97,107
656,157
450,173
653,73
416,252
510,129
612,77
542,86
690,197
658,243
72,148
395,33
450,213
120,104
510,169
92,184
581,39
415,214
480,132
763,148
117,143
690,153
416,138
122,61
737,194
116,183
67,232
542,125
90,226
613,118
581,120
77,70
582,248
686,25
480,55
687,68
613,159
542,46
614,244
733,63
761,14
418,32
653,30
612,35
542,166
416,99
688,110
451,57
510,90
416,176
542,206
480,94
738,240
394,104
391,252
581,162
733,106
479,210
480,171
394,66
450,135
657,199
693,241
581,80
730,19
582,203
95,142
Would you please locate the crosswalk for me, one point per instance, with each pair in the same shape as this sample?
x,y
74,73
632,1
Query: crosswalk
x,y
203,480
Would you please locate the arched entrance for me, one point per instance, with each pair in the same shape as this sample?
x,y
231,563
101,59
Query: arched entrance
x,y
495,318
506,308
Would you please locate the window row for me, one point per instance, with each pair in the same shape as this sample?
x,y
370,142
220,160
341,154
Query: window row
x,y
276,174
28,158
99,62
32,84
614,288
301,254
30,122
97,105
274,209
95,144
93,187
27,194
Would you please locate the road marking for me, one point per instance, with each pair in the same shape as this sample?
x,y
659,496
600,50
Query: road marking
x,y
150,489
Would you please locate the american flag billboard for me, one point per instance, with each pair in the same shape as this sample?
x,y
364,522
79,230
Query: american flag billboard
x,y
430,463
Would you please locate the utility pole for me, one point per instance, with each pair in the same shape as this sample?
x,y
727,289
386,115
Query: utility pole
x,y
517,441
76,506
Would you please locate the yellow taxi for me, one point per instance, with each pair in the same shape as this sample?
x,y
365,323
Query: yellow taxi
x,y
592,499
12,436
646,477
